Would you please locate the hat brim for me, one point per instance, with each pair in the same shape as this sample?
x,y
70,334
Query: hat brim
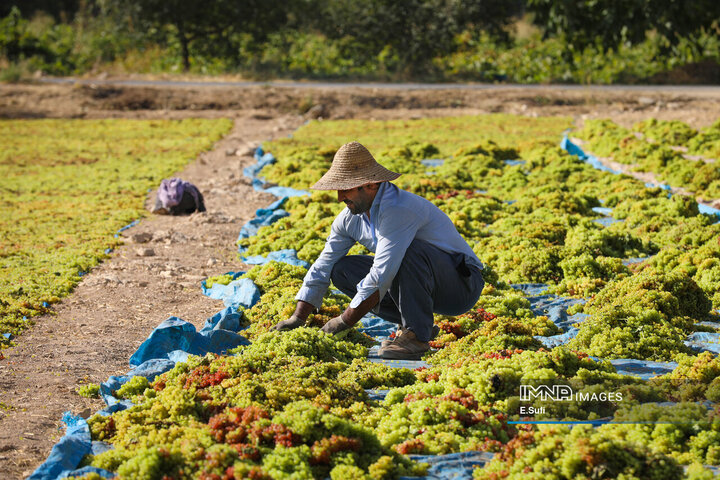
x,y
334,180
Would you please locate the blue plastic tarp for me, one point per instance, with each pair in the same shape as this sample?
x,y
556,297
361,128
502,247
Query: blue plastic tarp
x,y
634,260
603,211
708,210
606,221
530,288
251,228
279,191
177,334
272,207
263,159
455,466
376,327
241,292
228,319
432,162
108,388
704,341
66,455
644,369
555,308
411,364
553,341
573,149
81,472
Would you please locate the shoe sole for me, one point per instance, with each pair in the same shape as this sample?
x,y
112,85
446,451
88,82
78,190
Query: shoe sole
x,y
400,355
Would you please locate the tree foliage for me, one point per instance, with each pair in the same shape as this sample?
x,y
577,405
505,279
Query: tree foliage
x,y
206,27
416,30
380,38
608,23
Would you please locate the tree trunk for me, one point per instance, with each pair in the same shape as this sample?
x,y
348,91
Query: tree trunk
x,y
184,50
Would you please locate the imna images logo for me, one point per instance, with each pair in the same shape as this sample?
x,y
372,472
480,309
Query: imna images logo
x,y
559,393
545,392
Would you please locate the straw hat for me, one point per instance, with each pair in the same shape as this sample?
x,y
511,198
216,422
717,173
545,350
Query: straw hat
x,y
352,167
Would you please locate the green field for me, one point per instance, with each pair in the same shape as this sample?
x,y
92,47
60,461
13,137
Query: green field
x,y
66,186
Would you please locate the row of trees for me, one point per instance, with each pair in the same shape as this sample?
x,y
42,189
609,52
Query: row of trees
x,y
418,30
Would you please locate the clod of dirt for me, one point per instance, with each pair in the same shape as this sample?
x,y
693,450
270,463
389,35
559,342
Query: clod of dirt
x,y
160,236
178,237
145,252
143,237
245,152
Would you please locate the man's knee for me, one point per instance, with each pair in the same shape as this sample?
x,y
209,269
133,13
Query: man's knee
x,y
349,270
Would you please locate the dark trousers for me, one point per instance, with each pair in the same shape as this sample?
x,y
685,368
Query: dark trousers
x,y
429,281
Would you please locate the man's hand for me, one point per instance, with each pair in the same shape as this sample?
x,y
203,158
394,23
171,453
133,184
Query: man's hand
x,y
335,326
289,324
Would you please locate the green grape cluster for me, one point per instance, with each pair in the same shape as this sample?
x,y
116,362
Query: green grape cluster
x,y
670,132
279,283
219,280
91,390
306,342
581,452
498,333
585,275
707,142
659,146
647,316
259,411
672,294
305,230
432,424
688,432
696,378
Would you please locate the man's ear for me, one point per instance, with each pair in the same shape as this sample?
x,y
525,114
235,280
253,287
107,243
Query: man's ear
x,y
372,186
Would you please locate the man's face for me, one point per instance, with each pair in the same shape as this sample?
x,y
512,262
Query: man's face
x,y
358,199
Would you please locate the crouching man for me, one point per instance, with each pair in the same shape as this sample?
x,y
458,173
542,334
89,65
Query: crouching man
x,y
421,265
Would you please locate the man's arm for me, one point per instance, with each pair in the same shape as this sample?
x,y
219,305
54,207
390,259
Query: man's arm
x,y
351,315
303,310
317,279
395,233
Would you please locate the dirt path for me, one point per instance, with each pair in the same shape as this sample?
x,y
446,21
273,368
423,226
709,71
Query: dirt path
x,y
147,280
155,275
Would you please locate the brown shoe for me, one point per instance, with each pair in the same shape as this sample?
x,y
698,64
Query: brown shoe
x,y
405,347
390,340
434,333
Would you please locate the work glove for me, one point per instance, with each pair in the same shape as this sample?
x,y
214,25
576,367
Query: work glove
x,y
335,326
289,324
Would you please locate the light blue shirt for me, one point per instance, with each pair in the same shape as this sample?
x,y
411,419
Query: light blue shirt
x,y
396,218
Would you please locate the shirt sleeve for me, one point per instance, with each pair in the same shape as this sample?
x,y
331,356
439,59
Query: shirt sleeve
x,y
317,279
396,229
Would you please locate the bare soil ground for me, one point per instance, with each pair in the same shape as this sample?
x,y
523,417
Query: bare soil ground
x,y
157,273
